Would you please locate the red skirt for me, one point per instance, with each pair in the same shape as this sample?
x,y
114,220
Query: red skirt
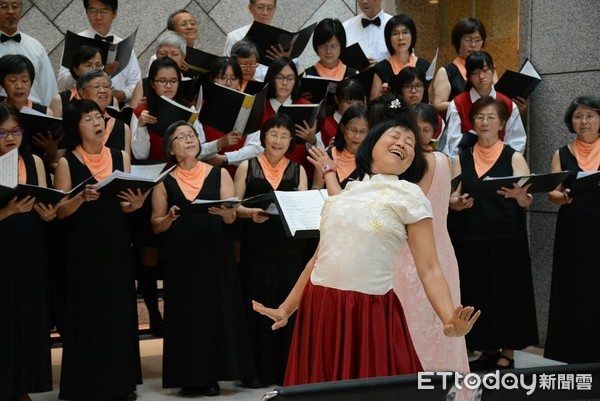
x,y
342,335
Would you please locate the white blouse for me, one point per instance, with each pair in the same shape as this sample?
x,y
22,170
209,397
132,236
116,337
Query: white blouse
x,y
362,230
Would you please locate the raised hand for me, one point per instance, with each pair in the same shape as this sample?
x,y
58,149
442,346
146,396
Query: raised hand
x,y
461,322
279,315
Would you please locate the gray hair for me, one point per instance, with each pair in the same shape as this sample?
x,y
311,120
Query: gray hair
x,y
89,75
244,48
171,38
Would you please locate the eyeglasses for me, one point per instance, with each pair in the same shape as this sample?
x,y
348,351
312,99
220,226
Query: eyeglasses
x,y
12,6
230,80
173,54
274,137
103,12
416,87
91,119
14,132
184,137
483,117
165,82
186,22
588,117
355,131
262,9
332,47
470,41
248,66
281,78
94,66
97,88
403,33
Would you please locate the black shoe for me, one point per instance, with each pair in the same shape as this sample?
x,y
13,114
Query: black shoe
x,y
253,383
212,389
131,396
486,361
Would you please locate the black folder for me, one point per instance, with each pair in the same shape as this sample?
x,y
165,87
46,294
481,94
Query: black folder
x,y
264,36
33,122
198,61
119,181
167,112
522,83
318,87
229,110
304,112
354,56
584,183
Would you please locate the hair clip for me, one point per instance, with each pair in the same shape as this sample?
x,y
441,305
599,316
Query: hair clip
x,y
397,104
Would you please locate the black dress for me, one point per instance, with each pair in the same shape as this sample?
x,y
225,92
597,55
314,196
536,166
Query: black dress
x,y
101,359
270,265
25,365
384,70
457,82
205,331
574,305
492,250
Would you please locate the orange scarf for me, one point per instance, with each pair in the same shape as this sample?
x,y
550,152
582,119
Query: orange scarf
x,y
346,163
100,165
397,65
74,94
110,124
28,104
587,154
273,175
243,86
22,171
336,72
485,158
460,64
191,181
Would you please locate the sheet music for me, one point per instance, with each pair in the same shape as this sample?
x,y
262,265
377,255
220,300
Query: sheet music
x,y
9,165
302,209
529,70
429,74
149,171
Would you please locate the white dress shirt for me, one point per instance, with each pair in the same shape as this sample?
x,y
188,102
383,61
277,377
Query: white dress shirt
x,y
44,85
124,81
514,131
371,38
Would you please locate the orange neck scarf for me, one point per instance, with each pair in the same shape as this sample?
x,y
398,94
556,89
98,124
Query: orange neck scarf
x,y
244,84
397,65
346,163
273,175
74,94
110,124
460,64
336,72
486,157
191,181
29,103
587,154
100,164
22,171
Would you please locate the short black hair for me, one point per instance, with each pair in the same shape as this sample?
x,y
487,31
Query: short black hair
x,y
427,113
155,67
364,154
350,89
467,26
477,61
254,1
385,107
588,102
113,4
171,19
7,111
82,55
405,77
352,112
486,101
400,19
279,120
274,69
168,139
72,117
15,64
220,65
326,29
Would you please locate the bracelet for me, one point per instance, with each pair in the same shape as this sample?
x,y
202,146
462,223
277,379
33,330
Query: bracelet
x,y
326,170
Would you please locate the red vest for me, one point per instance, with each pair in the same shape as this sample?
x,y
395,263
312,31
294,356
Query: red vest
x,y
329,130
463,106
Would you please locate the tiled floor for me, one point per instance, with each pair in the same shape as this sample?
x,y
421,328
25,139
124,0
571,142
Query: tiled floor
x,y
151,390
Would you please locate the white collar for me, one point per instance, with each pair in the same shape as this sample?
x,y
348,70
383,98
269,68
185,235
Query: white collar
x,y
110,32
380,178
337,117
275,103
475,96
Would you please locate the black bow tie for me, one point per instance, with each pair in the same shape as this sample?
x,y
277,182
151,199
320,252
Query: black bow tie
x,y
366,22
108,39
6,38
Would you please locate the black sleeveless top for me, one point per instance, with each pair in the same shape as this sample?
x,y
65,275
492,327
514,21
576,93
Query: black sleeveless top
x,y
457,83
384,70
257,184
313,72
491,217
